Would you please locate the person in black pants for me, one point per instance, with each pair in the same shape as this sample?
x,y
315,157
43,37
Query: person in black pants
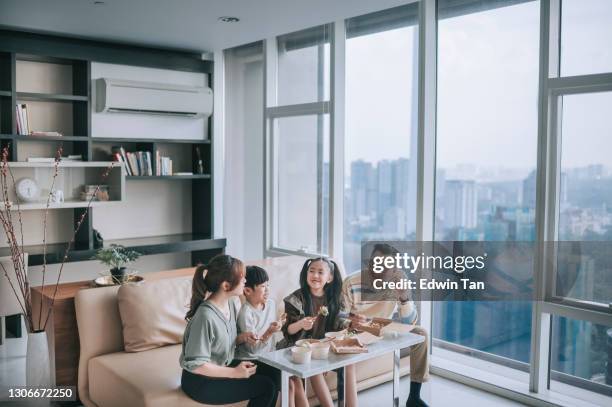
x,y
210,375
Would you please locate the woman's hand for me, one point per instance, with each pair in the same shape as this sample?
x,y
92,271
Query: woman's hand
x,y
248,337
244,370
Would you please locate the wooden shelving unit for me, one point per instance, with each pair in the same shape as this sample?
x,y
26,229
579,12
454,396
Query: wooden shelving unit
x,y
72,58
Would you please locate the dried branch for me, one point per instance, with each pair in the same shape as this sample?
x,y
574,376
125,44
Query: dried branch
x,y
58,157
76,230
21,286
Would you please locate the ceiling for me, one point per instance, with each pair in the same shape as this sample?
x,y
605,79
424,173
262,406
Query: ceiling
x,y
184,24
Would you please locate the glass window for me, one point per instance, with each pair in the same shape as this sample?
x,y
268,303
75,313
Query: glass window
x,y
381,129
586,34
585,198
486,156
303,66
581,349
301,183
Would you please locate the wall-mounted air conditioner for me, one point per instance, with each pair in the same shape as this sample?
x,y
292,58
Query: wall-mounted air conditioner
x,y
113,95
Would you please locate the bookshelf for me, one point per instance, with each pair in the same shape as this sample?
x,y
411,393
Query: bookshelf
x,y
52,75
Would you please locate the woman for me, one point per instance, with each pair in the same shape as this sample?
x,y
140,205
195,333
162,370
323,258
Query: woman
x,y
210,374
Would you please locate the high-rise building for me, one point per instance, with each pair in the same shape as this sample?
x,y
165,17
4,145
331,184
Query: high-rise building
x,y
385,188
460,204
529,190
361,179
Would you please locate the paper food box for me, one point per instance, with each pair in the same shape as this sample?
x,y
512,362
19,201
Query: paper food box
x,y
375,326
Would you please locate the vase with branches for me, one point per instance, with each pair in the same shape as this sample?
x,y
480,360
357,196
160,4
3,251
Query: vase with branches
x,y
17,276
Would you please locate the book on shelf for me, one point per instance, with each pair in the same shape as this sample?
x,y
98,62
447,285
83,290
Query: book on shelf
x,y
166,166
119,155
137,163
18,119
183,173
149,164
21,113
133,163
157,163
163,165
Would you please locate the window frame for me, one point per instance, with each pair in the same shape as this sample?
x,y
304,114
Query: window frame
x,y
272,112
551,88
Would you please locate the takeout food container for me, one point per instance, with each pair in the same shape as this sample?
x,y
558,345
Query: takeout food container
x,y
347,346
320,350
335,335
375,326
301,354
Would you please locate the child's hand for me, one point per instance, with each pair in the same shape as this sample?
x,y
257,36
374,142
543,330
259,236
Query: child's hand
x,y
244,370
248,337
274,327
307,323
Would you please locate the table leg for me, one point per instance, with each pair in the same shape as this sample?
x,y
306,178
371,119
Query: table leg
x,y
284,388
342,388
396,377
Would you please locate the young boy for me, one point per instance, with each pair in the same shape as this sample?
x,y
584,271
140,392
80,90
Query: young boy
x,y
258,318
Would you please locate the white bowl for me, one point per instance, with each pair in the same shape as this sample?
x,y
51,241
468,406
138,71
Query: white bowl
x,y
305,342
320,350
300,354
390,334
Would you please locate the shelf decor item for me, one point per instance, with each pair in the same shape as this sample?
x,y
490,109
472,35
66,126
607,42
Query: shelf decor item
x,y
16,273
27,190
117,257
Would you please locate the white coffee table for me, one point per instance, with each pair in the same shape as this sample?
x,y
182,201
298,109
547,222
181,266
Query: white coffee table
x,y
281,359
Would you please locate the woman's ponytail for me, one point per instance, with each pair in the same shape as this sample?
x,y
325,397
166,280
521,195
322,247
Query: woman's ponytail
x,y
198,291
208,279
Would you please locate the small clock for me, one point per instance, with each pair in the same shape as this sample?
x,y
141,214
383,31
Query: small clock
x,y
27,190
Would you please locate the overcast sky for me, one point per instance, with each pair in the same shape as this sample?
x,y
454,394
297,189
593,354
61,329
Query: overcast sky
x,y
487,88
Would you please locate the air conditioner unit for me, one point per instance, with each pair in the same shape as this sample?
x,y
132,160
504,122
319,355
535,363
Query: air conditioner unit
x,y
113,95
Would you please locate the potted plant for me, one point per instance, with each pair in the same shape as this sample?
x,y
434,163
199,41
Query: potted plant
x,y
116,257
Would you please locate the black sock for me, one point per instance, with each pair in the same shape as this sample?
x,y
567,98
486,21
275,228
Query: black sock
x,y
415,390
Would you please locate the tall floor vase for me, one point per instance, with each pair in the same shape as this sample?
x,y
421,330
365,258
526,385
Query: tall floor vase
x,y
38,368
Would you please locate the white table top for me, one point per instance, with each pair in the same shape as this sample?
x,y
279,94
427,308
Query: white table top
x,y
281,359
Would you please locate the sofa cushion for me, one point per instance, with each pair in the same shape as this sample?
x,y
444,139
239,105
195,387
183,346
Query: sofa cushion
x,y
151,379
153,312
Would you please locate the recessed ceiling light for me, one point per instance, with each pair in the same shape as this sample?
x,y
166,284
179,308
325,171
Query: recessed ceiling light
x,y
227,19
98,3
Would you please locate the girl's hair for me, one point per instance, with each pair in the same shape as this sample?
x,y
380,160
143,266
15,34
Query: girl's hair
x,y
208,279
332,291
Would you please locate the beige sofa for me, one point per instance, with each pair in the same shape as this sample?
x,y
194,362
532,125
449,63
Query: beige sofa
x,y
111,377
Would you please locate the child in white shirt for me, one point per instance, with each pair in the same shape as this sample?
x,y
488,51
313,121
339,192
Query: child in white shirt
x,y
257,318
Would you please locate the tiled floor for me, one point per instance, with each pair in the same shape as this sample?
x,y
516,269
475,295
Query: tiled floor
x,y
438,392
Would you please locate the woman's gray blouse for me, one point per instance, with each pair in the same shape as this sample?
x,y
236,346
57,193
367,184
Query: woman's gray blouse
x,y
209,337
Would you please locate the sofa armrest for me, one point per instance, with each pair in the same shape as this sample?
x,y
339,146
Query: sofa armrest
x,y
100,332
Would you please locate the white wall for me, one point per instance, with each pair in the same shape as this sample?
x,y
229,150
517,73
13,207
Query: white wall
x,y
244,171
